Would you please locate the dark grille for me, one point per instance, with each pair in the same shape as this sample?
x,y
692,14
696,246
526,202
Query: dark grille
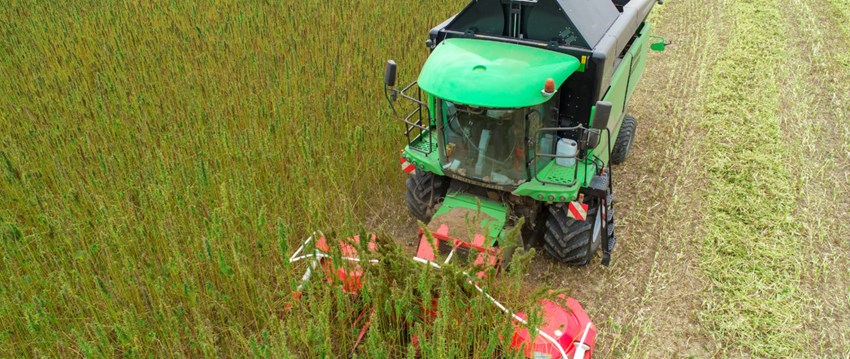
x,y
462,253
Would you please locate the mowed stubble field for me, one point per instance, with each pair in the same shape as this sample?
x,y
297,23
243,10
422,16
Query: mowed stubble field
x,y
159,161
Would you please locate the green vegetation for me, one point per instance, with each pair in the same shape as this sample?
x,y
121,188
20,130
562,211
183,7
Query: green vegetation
x,y
395,301
749,253
160,162
766,239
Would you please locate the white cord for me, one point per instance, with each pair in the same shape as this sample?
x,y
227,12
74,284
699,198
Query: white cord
x,y
449,257
301,248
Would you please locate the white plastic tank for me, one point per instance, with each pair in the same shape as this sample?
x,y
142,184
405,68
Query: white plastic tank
x,y
569,149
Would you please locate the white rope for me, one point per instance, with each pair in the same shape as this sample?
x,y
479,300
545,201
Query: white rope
x,y
449,257
300,248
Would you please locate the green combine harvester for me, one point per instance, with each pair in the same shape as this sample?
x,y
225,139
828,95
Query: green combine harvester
x,y
519,112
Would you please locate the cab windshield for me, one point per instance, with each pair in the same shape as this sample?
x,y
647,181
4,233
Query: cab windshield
x,y
486,144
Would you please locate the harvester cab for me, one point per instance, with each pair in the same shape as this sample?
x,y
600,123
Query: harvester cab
x,y
519,112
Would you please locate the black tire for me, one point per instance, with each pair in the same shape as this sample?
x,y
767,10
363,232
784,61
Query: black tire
x,y
568,240
425,192
624,140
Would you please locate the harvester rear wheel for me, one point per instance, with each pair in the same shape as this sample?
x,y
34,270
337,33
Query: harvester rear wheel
x,y
624,140
571,241
425,192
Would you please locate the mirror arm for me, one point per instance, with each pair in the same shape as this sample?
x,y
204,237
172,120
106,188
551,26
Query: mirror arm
x,y
391,94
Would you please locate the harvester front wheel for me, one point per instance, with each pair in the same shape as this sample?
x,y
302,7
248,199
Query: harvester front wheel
x,y
624,140
425,192
571,241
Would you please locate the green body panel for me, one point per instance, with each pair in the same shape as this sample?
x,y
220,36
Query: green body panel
x,y
493,74
496,210
432,107
623,84
563,176
617,97
639,51
417,153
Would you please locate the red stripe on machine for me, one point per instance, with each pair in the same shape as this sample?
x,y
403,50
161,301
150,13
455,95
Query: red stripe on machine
x,y
577,210
406,166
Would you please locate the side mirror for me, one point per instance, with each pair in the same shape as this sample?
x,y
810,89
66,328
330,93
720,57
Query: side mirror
x,y
601,115
659,45
590,139
390,74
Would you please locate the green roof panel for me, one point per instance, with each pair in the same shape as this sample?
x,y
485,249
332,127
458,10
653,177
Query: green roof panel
x,y
493,74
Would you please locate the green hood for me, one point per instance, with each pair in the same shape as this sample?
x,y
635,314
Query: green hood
x,y
493,74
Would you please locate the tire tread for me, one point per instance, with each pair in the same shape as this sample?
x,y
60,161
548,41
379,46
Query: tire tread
x,y
624,142
569,240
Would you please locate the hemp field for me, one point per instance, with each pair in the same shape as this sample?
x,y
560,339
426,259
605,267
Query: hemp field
x,y
160,161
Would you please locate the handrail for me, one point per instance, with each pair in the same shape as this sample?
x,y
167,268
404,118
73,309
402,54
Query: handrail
x,y
413,120
555,156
